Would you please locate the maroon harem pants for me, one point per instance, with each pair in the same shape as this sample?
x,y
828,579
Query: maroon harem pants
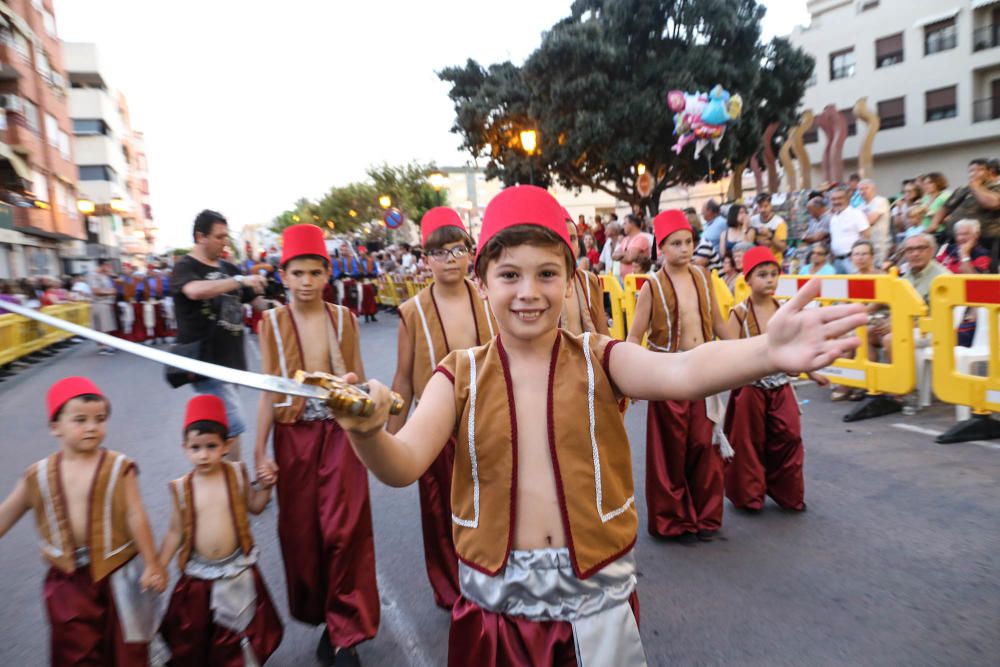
x,y
481,637
435,519
84,623
196,641
684,479
764,429
325,529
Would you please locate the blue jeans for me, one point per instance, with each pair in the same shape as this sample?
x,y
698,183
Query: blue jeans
x,y
844,266
231,399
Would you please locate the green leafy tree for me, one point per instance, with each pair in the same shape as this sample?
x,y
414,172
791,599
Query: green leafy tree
x,y
408,187
595,91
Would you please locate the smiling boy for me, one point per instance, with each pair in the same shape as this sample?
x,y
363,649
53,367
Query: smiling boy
x,y
444,316
324,518
542,498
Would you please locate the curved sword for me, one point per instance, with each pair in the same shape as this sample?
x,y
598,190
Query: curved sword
x,y
341,396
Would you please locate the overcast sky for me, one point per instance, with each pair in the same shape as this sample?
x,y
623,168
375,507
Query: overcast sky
x,y
248,105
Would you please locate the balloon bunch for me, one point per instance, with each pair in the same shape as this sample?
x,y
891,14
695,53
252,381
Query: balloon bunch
x,y
702,117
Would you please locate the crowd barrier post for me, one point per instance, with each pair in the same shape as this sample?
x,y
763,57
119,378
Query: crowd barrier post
x,y
876,377
951,365
616,295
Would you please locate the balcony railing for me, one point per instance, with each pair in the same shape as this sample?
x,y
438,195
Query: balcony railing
x,y
986,37
986,109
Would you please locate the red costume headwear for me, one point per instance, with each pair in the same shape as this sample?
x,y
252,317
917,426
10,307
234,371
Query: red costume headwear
x,y
669,221
67,389
299,240
756,256
436,218
206,407
523,205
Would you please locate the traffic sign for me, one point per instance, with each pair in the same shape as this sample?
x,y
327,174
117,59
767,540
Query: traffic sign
x,y
393,218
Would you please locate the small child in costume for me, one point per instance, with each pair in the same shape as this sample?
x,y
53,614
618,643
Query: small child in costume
x,y
220,612
92,526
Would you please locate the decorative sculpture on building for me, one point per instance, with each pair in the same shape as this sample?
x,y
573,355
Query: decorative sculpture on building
x,y
866,163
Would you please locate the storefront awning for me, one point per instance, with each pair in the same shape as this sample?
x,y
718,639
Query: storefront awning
x,y
20,167
937,18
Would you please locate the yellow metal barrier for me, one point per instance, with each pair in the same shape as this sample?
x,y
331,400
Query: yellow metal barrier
x,y
897,377
982,394
617,297
10,338
387,295
21,336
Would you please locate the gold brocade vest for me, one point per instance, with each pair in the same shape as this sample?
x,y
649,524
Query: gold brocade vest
x,y
589,296
746,317
429,341
280,337
590,456
109,541
664,328
182,490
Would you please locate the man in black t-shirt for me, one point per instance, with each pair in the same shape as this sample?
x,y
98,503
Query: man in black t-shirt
x,y
208,296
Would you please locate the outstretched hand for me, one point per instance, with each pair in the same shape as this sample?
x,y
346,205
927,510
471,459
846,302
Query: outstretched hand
x,y
803,340
381,396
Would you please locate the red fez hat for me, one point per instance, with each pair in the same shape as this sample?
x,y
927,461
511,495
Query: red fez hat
x,y
523,205
206,407
566,215
69,388
670,221
299,240
756,256
436,218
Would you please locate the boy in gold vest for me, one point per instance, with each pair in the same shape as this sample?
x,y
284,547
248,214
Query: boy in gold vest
x,y
92,526
762,421
542,499
220,612
583,309
324,518
684,478
447,315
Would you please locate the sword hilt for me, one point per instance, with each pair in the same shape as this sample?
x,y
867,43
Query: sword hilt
x,y
344,397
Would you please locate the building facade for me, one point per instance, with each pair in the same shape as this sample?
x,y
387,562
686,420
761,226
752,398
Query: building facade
x,y
929,68
41,232
110,158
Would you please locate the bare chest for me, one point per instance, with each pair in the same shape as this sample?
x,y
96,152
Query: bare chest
x,y
314,337
77,481
214,531
689,313
538,523
458,322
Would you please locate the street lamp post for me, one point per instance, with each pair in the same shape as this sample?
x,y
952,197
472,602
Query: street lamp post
x,y
529,142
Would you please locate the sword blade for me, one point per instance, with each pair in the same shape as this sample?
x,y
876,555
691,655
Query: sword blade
x,y
259,381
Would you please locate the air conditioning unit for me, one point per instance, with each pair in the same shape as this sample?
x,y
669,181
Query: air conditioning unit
x,y
12,102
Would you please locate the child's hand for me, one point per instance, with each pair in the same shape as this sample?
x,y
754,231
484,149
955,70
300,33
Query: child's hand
x,y
154,578
802,339
381,397
267,473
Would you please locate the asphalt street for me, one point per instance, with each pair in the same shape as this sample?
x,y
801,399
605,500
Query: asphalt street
x,y
897,561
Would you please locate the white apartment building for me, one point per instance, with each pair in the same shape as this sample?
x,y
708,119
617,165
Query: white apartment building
x,y
111,172
929,68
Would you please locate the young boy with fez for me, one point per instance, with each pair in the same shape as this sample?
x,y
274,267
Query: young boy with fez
x,y
762,421
92,526
684,476
583,309
324,514
447,315
220,612
542,501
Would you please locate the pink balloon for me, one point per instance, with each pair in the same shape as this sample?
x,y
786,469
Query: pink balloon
x,y
675,100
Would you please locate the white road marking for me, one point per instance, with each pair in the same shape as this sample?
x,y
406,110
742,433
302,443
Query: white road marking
x,y
930,431
405,630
